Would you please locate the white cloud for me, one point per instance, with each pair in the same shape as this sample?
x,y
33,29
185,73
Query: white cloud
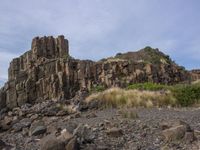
x,y
5,57
101,28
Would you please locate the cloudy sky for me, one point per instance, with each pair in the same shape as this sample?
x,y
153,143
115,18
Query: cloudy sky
x,y
101,28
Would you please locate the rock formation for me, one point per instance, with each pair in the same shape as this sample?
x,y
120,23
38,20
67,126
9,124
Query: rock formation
x,y
48,72
195,74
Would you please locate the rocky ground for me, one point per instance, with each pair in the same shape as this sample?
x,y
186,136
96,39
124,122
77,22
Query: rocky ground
x,y
49,126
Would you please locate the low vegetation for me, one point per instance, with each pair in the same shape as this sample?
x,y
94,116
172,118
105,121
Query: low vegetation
x,y
148,86
116,97
97,88
148,95
187,95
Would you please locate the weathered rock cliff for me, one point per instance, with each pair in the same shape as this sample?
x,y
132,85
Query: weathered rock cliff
x,y
195,74
48,72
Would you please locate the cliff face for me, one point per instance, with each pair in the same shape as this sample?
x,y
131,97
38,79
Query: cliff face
x,y
195,74
48,72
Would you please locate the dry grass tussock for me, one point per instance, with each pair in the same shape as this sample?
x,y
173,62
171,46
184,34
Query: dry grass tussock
x,y
117,97
196,82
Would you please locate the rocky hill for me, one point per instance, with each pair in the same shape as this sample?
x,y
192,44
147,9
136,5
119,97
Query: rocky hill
x,y
146,55
48,72
44,105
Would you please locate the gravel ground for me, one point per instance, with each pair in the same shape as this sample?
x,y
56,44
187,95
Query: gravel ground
x,y
140,132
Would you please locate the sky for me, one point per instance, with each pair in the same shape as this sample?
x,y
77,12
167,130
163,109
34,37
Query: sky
x,y
101,28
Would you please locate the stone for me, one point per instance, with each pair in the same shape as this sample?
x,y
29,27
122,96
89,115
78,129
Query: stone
x,y
37,128
197,133
62,113
164,125
4,127
50,142
165,148
91,115
72,145
6,123
171,123
69,126
189,137
34,117
24,123
8,120
65,136
5,146
25,131
103,147
174,133
114,132
2,144
84,133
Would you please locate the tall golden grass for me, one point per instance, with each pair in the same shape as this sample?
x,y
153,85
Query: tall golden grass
x,y
117,97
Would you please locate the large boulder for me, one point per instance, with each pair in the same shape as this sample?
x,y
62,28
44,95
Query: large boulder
x,y
84,134
50,142
72,145
37,128
174,133
177,130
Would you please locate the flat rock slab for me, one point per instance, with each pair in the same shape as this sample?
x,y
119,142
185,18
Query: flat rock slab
x,y
38,128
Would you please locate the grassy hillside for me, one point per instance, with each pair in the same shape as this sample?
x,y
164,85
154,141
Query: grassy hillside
x,y
147,55
148,95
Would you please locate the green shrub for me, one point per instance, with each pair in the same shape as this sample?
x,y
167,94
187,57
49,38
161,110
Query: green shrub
x,y
98,88
156,57
147,95
186,95
148,86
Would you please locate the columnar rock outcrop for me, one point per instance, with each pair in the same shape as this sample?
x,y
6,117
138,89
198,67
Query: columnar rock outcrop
x,y
48,72
38,73
195,74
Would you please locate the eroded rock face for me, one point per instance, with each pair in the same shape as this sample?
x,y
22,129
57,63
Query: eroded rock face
x,y
39,73
123,72
48,72
2,98
195,74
